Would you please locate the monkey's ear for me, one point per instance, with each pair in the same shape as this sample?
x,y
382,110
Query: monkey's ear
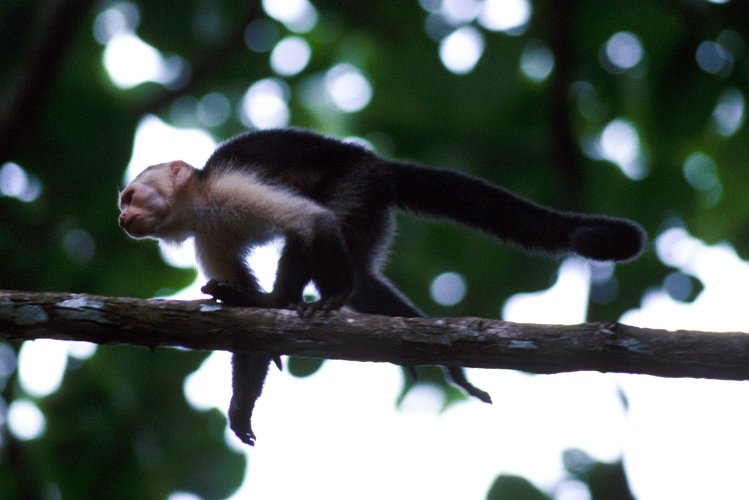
x,y
180,171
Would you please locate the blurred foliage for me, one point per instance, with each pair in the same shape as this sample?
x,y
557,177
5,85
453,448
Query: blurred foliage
x,y
303,367
121,416
106,424
508,487
585,478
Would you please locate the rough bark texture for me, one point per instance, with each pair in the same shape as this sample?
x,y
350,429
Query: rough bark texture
x,y
470,342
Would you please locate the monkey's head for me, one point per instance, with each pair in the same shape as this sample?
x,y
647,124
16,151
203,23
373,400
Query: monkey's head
x,y
153,205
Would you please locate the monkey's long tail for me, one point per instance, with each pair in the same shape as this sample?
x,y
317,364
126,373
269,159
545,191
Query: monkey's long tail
x,y
512,218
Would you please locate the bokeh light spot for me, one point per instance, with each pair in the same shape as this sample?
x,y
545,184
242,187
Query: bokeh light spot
x,y
290,56
458,12
264,105
448,289
728,115
701,173
620,144
348,88
25,420
261,35
299,16
679,286
713,58
130,61
461,50
7,361
624,50
41,366
118,19
509,16
536,61
15,182
79,246
213,109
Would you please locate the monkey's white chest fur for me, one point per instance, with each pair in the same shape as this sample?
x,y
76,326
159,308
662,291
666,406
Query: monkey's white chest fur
x,y
242,211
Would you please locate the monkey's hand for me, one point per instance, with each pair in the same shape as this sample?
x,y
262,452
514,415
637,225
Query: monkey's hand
x,y
248,375
233,294
239,421
324,305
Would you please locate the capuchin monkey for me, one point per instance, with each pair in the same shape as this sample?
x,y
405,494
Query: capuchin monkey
x,y
331,201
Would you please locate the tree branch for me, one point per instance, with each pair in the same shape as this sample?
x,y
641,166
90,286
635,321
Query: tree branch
x,y
470,342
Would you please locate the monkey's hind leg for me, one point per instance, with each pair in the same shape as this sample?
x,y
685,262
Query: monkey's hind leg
x,y
376,295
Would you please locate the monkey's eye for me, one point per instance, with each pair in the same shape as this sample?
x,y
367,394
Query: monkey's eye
x,y
126,197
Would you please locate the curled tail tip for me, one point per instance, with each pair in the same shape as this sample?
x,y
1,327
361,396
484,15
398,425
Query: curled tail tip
x,y
610,239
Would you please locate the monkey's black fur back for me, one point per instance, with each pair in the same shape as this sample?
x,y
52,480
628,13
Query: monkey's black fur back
x,y
289,153
322,168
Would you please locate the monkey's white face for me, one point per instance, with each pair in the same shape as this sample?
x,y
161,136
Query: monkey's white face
x,y
146,209
141,207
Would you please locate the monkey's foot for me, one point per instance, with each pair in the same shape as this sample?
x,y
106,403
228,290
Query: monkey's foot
x,y
231,294
458,377
476,392
309,309
277,361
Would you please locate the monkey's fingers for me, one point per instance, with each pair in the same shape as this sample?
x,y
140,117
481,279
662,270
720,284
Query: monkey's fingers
x,y
309,309
240,423
245,435
230,294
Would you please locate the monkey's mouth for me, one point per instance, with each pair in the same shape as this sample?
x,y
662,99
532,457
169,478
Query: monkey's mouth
x,y
126,223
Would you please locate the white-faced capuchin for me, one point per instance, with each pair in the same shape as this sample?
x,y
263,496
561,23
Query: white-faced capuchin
x,y
331,201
